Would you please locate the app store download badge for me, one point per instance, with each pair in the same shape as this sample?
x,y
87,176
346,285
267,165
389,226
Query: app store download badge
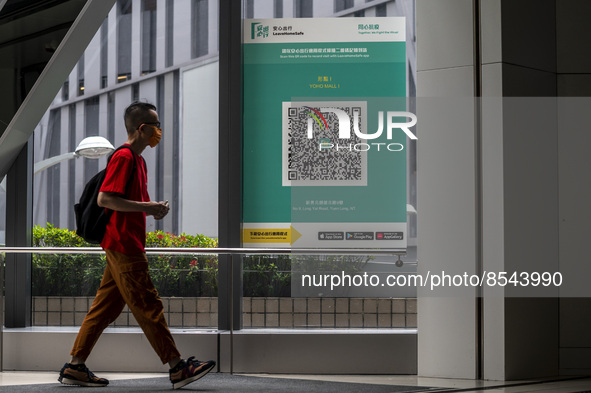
x,y
389,236
359,236
331,235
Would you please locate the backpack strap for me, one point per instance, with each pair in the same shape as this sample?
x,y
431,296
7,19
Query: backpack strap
x,y
133,168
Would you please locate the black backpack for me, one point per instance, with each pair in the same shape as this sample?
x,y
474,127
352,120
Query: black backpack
x,y
91,219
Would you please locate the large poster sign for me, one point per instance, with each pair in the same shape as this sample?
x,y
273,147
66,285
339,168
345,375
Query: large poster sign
x,y
325,131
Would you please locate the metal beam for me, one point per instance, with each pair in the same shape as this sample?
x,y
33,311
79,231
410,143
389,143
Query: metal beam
x,y
18,10
51,80
230,162
1,307
19,224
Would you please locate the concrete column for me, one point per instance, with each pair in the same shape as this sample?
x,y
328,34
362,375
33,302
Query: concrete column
x,y
446,187
574,81
487,184
520,179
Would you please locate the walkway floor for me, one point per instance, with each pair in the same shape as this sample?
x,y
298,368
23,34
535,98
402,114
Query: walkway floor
x,y
565,385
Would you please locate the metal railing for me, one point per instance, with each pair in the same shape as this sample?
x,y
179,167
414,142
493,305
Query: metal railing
x,y
212,251
232,252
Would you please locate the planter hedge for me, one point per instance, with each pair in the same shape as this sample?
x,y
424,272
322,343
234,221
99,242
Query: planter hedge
x,y
80,274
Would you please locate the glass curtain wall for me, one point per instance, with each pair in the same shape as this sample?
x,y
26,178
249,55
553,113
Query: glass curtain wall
x,y
174,67
181,52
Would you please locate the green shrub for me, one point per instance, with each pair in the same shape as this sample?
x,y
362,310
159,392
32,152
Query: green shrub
x,y
183,275
173,275
64,274
267,275
80,274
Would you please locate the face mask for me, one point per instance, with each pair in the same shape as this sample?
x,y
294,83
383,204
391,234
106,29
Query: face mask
x,y
155,138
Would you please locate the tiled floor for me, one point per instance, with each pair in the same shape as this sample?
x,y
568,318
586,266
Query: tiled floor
x,y
567,385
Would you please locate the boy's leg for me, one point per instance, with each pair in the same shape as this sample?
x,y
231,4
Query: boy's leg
x,y
135,285
106,307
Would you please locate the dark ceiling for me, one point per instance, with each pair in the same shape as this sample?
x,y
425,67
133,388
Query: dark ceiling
x,y
30,31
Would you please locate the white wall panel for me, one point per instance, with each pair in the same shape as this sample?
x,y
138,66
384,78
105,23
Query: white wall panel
x,y
92,65
263,9
148,94
493,220
288,8
182,31
445,32
491,36
122,100
446,221
199,150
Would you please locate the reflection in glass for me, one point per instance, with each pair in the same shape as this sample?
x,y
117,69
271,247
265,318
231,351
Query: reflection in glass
x,y
200,29
278,8
340,5
303,8
104,53
148,36
124,8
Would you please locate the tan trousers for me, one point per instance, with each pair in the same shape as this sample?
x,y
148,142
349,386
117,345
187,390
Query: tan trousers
x,y
126,281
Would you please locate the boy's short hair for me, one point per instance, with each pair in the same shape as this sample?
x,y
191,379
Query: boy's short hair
x,y
136,113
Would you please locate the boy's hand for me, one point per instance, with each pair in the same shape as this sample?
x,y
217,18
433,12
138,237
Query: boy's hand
x,y
162,211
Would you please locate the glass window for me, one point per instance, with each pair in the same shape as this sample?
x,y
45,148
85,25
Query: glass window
x,y
159,172
104,53
303,8
111,117
81,75
53,173
199,29
381,10
148,36
278,9
71,164
123,40
340,5
169,47
91,128
66,91
249,9
135,92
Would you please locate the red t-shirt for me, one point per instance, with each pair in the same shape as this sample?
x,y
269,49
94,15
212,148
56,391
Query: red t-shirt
x,y
126,231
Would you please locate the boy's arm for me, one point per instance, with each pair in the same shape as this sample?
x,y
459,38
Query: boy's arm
x,y
114,201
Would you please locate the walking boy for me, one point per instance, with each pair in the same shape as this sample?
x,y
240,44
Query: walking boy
x,y
126,279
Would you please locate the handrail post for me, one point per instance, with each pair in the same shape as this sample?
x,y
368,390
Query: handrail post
x,y
231,314
1,312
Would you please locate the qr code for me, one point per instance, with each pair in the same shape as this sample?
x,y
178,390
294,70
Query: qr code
x,y
313,152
